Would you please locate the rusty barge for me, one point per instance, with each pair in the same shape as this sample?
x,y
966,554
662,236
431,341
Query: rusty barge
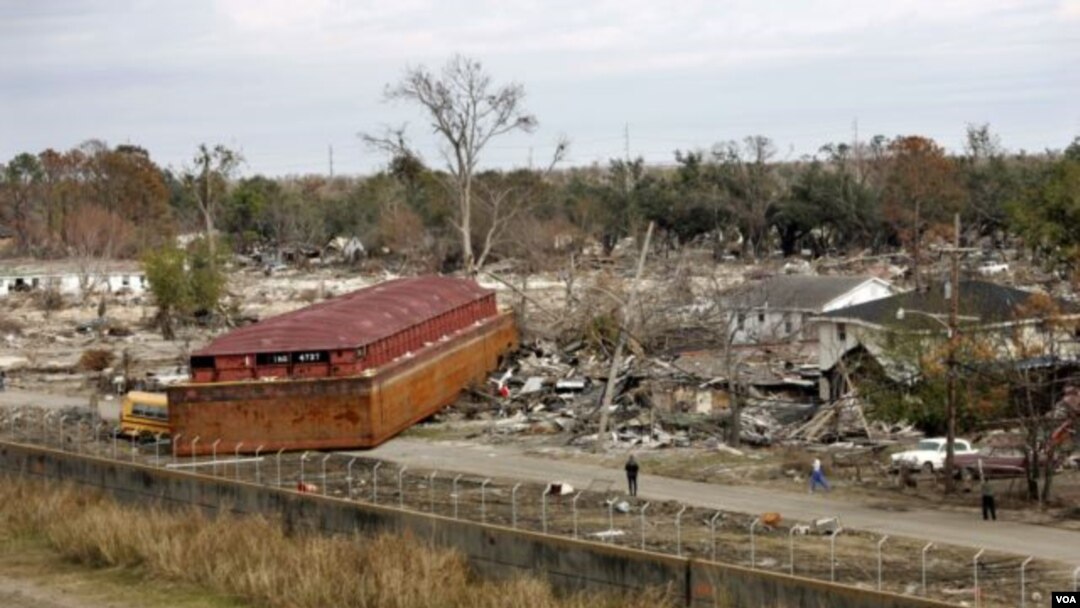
x,y
350,372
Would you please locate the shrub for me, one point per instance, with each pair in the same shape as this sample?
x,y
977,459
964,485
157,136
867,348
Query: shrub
x,y
96,359
49,299
10,326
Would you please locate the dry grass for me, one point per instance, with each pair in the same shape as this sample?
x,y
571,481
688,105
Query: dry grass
x,y
96,359
257,560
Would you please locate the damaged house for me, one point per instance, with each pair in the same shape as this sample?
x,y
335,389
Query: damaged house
x,y
1012,316
784,307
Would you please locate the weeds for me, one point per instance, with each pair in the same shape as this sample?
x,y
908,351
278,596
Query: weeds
x,y
255,559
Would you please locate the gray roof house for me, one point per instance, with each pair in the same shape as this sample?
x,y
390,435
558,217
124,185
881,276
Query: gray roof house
x,y
781,307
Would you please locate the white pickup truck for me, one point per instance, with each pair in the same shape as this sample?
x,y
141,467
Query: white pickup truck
x,y
929,454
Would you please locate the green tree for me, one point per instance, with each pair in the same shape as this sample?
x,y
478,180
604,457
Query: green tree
x,y
1047,212
184,283
166,272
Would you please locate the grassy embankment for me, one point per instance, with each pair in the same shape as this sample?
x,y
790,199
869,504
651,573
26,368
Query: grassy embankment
x,y
256,561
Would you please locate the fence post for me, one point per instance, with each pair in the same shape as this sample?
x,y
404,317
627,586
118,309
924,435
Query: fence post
x,y
712,532
573,506
924,550
348,476
1076,579
44,427
400,486
513,505
543,507
303,459
157,449
643,507
431,489
213,450
483,501
278,460
114,446
454,494
879,544
236,460
258,469
611,520
832,553
193,443
753,542
1023,581
134,449
173,442
678,531
62,419
325,458
791,549
975,574
375,482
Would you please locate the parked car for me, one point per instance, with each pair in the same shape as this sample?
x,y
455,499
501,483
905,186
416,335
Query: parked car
x,y
1001,461
996,462
929,454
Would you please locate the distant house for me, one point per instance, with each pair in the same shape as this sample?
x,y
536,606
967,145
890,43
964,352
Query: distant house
x,y
984,307
69,279
346,248
782,307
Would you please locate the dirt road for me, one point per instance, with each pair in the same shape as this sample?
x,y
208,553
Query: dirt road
x,y
938,526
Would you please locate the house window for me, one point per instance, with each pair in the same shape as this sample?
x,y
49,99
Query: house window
x,y
841,332
761,318
126,281
740,321
789,327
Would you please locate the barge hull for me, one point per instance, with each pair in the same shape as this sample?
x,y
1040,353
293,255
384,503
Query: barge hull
x,y
337,413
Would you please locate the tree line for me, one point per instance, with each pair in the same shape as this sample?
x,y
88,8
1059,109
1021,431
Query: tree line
x,y
737,198
878,195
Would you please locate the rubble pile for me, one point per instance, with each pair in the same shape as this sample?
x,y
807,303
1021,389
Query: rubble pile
x,y
551,390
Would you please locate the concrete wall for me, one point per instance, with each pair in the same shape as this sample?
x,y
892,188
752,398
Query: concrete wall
x,y
493,551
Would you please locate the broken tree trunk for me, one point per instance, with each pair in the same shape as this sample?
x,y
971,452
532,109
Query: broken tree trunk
x,y
620,344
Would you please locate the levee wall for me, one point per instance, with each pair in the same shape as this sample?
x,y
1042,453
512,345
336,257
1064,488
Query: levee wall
x,y
493,551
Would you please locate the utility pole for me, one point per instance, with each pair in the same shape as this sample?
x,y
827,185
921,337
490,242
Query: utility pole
x,y
331,149
620,343
954,313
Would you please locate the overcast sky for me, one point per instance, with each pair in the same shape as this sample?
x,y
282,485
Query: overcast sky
x,y
283,80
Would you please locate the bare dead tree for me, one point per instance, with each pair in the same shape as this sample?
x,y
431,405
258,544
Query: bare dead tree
x,y
207,181
505,202
466,110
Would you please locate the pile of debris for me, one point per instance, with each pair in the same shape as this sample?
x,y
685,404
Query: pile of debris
x,y
551,390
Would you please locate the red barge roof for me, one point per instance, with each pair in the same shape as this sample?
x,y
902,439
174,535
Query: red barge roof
x,y
351,320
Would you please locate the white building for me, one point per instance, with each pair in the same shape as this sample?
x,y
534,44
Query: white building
x,y
782,307
70,280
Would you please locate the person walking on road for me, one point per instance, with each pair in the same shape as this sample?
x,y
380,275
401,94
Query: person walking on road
x,y
631,475
988,507
817,477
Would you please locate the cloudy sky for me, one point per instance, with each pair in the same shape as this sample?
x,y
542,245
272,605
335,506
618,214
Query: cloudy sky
x,y
283,80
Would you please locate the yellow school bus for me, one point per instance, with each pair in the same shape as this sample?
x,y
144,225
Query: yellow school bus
x,y
144,415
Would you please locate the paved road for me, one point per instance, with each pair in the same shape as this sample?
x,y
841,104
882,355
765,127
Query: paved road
x,y
20,398
937,526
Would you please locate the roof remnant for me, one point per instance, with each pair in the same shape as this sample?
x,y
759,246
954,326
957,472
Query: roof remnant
x,y
988,302
794,292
